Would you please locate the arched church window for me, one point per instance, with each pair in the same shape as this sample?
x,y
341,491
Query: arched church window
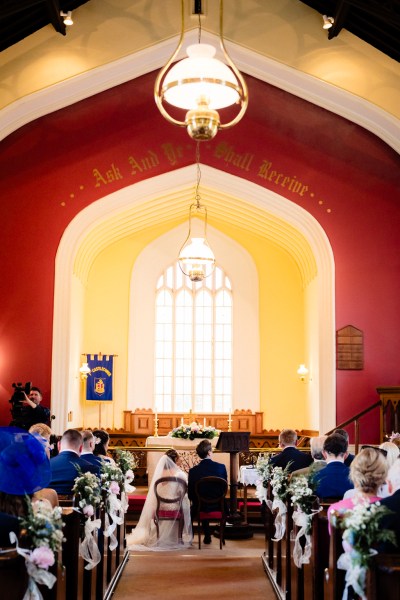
x,y
193,342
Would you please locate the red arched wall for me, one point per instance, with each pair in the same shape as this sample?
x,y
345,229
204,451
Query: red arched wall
x,y
347,178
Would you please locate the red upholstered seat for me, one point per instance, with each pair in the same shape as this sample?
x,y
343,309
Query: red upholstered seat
x,y
136,502
256,504
169,514
216,514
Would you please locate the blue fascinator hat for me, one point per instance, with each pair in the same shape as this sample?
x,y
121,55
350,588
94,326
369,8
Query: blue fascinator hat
x,y
24,465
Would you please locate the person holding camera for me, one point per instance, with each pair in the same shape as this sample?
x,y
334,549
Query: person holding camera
x,y
31,411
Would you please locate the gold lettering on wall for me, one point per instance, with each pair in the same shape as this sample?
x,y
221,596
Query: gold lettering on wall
x,y
145,163
226,152
286,181
108,177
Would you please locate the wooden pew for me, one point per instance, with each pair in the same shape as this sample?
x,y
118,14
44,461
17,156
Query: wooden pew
x,y
13,575
276,558
334,583
383,577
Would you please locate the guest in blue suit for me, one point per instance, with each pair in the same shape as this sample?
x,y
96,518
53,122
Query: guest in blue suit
x,y
290,454
206,468
65,466
88,444
333,480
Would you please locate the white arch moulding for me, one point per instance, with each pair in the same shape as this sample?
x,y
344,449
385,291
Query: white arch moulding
x,y
69,292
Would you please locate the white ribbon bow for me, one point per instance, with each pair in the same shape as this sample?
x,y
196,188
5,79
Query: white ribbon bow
x,y
356,574
36,575
280,518
261,492
302,556
112,519
88,547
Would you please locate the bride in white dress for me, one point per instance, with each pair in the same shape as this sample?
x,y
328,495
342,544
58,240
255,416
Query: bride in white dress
x,y
144,536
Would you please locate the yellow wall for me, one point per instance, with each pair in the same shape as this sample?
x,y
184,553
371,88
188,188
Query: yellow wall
x,y
282,336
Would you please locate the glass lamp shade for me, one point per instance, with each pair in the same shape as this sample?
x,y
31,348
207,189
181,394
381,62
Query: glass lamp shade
x,y
196,259
84,370
200,79
302,372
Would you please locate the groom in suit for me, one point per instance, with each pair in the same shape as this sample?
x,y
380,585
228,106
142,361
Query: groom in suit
x,y
206,468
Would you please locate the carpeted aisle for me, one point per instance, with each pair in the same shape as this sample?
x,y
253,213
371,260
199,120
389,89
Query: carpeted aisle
x,y
236,571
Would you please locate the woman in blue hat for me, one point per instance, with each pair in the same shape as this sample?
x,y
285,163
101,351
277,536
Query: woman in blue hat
x,y
24,471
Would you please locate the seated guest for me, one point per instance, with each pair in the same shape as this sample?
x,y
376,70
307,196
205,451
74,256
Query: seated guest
x,y
43,433
392,454
64,466
316,446
333,480
392,502
88,448
102,440
290,454
206,468
24,471
368,471
350,457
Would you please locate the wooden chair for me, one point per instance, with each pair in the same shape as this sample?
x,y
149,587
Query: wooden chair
x,y
169,505
211,493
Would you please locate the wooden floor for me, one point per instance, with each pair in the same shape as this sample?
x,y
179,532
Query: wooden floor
x,y
235,571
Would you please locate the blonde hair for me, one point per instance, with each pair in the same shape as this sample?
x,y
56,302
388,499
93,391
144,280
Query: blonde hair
x,y
287,437
393,452
368,470
41,429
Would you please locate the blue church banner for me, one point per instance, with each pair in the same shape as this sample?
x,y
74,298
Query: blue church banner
x,y
99,382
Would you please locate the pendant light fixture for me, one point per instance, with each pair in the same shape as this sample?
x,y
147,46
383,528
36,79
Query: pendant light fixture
x,y
201,84
196,259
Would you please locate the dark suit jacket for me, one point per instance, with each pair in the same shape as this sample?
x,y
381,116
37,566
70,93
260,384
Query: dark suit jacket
x,y
392,521
64,471
7,523
205,468
333,481
92,458
349,459
299,459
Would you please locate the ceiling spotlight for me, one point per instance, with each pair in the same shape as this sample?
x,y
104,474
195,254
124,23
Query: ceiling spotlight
x,y
328,22
67,18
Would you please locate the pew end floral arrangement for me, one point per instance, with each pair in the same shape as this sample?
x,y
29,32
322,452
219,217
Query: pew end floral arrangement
x,y
41,534
88,498
362,531
264,469
301,491
112,484
194,430
126,461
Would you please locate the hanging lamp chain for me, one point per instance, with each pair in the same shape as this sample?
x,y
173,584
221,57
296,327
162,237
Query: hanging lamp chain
x,y
197,193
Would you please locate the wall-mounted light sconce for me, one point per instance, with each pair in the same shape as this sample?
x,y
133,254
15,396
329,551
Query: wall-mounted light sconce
x,y
327,22
84,371
302,372
201,84
67,18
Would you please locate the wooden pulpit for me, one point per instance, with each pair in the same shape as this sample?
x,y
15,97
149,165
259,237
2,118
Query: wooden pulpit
x,y
234,442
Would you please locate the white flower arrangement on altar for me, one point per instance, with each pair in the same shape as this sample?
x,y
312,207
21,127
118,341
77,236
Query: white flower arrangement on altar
x,y
362,531
41,531
194,430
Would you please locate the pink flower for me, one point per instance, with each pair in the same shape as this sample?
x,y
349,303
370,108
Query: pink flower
x,y
88,510
129,475
114,487
43,557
